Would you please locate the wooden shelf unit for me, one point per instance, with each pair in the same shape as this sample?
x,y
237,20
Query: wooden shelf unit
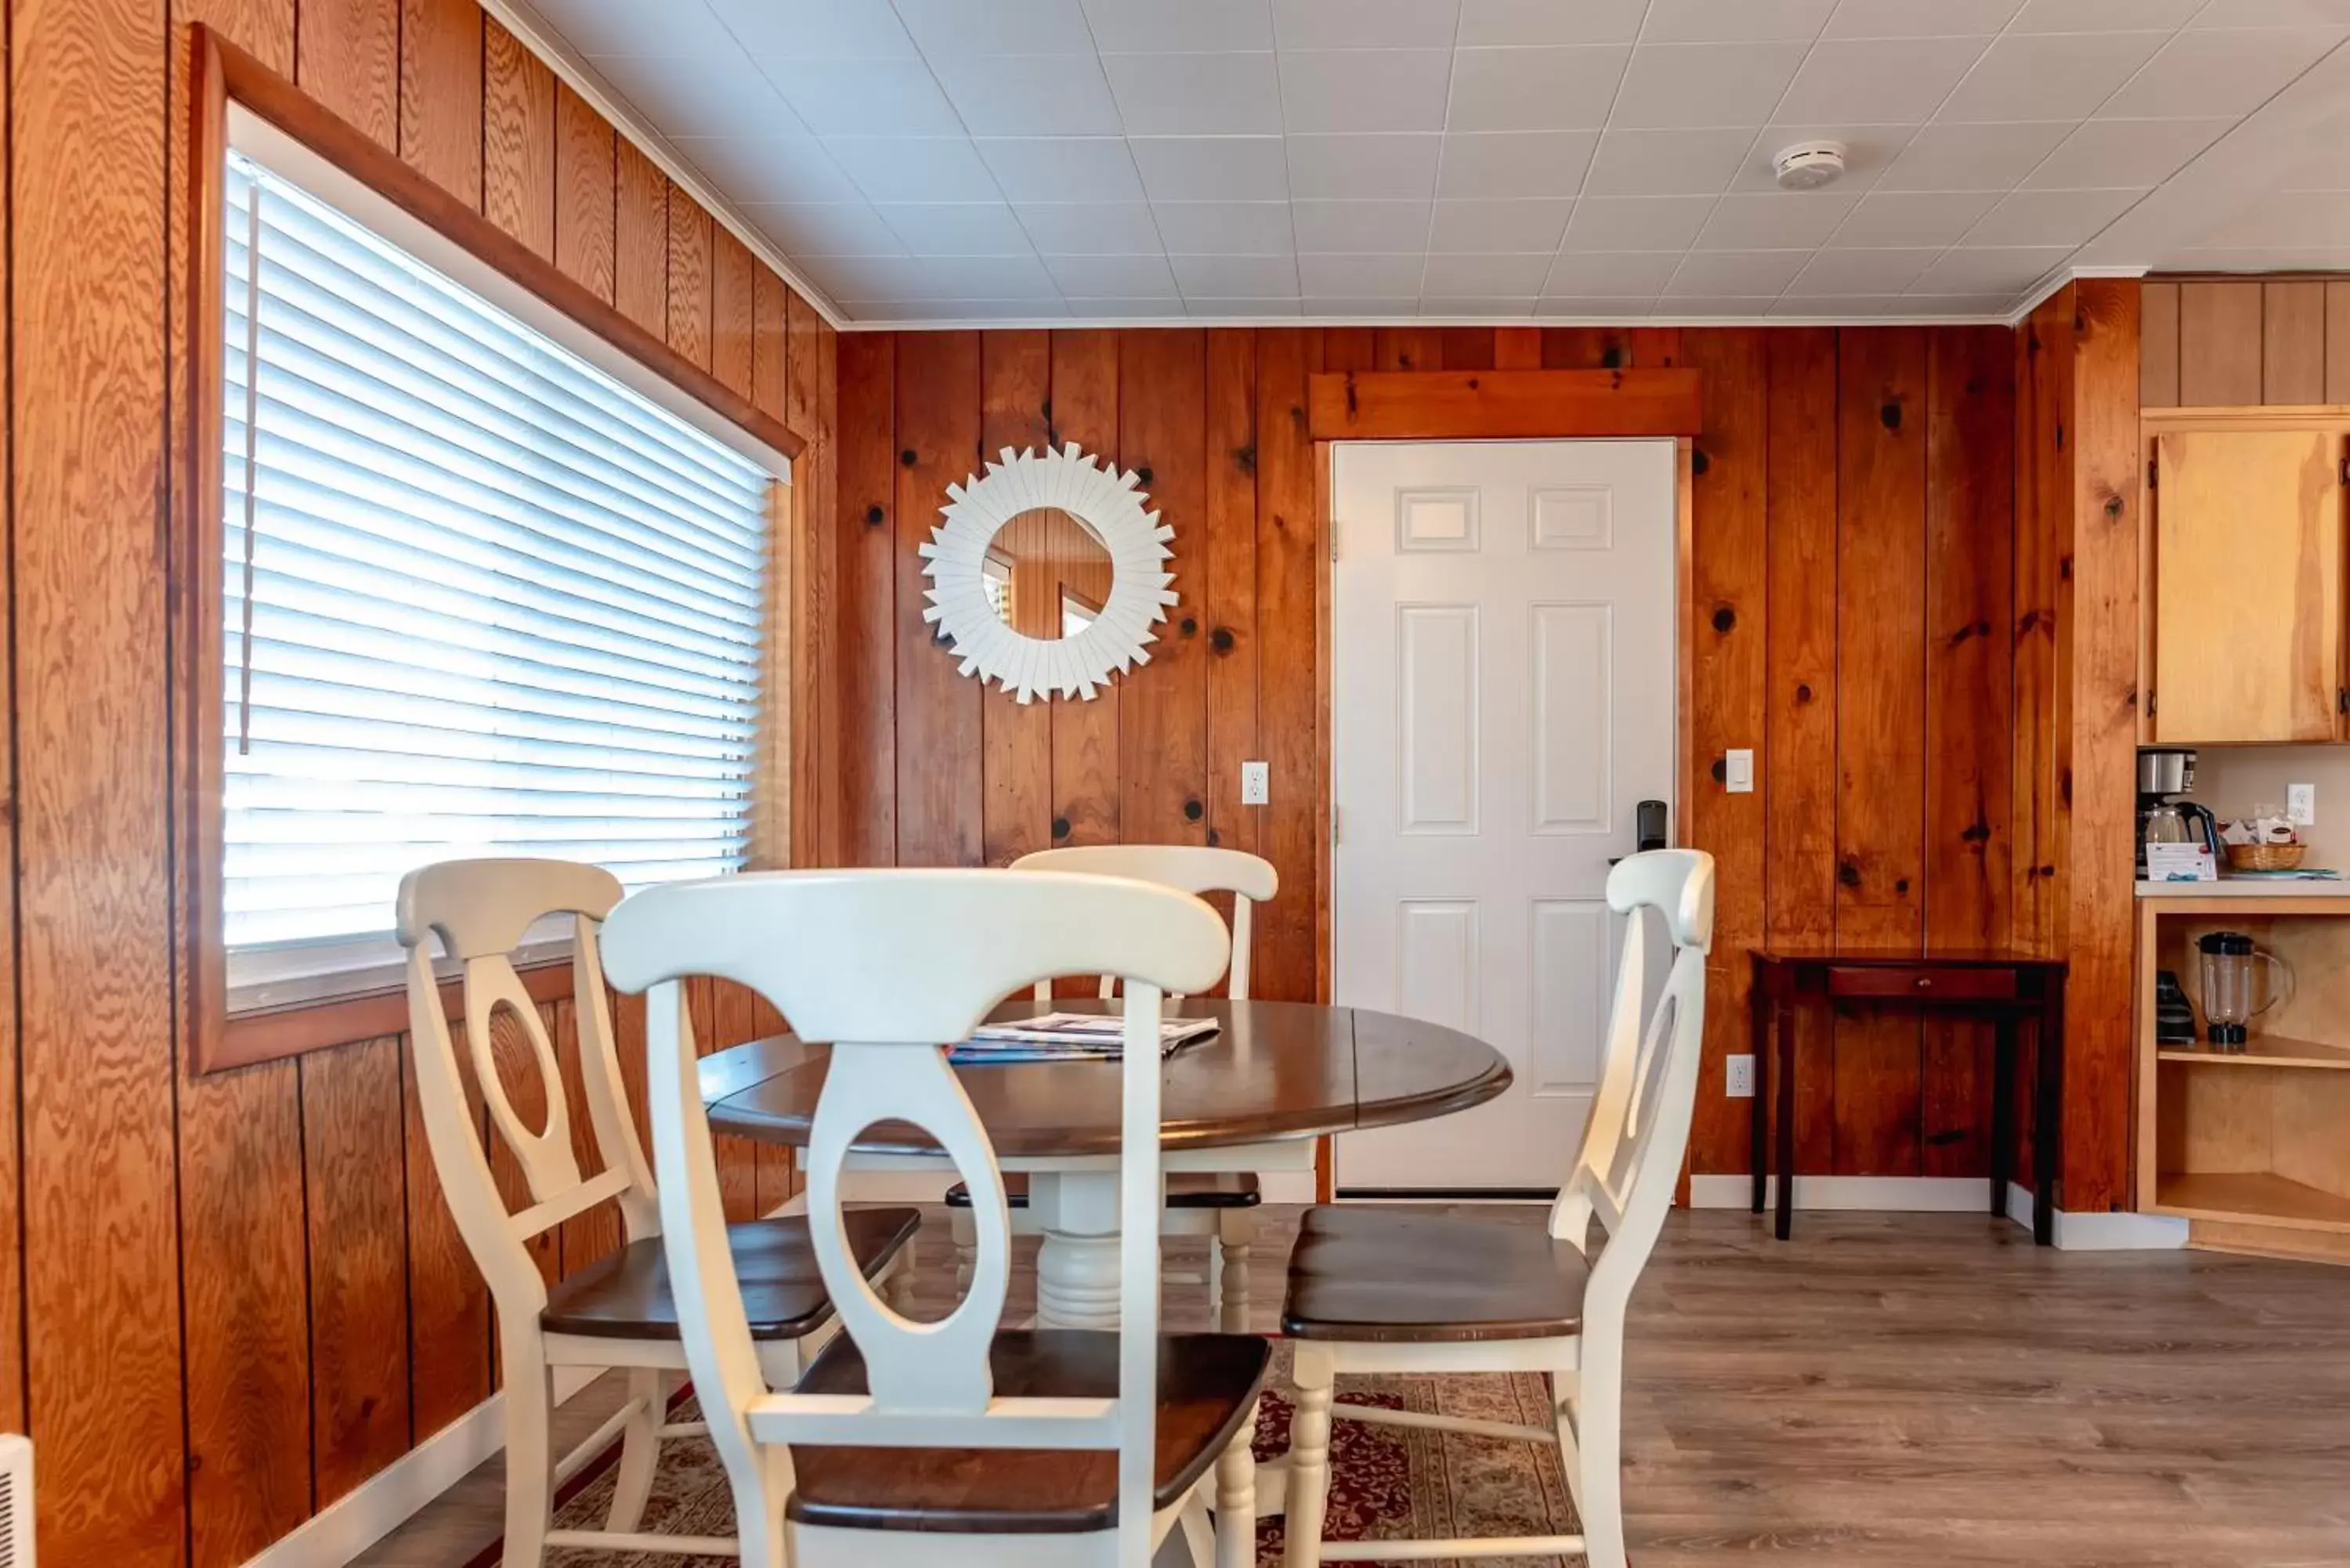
x,y
2253,1149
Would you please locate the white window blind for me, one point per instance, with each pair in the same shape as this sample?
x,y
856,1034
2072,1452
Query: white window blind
x,y
481,598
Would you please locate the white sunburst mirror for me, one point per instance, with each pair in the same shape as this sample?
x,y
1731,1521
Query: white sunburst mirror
x,y
1048,572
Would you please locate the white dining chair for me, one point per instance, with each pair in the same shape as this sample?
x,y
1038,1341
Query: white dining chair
x,y
1418,1291
618,1311
956,1442
1218,1205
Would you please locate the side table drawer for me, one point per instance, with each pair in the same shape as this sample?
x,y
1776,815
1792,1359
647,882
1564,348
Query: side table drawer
x,y
1922,982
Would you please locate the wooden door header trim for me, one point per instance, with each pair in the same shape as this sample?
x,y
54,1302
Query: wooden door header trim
x,y
225,73
1489,405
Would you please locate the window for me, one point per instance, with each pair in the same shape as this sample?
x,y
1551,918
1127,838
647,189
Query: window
x,y
481,597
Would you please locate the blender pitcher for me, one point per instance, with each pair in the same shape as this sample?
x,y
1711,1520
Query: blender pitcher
x,y
2229,1004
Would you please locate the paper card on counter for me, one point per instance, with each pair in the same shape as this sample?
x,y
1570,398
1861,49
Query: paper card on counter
x,y
2181,863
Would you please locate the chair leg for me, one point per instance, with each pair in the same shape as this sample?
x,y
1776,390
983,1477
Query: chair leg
x,y
759,1526
966,1245
1595,1450
1236,1499
640,1451
1308,1493
1230,1270
530,1457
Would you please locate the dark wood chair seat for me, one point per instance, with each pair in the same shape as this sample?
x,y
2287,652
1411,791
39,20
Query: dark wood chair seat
x,y
1420,1275
1207,1385
626,1294
1185,1190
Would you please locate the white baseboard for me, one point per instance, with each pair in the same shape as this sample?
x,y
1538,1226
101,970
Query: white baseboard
x,y
1946,1195
359,1519
2120,1232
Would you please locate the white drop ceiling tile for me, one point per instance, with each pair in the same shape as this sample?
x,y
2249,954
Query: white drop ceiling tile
x,y
2051,217
1242,310
721,94
1515,164
789,169
1908,218
2227,73
1363,309
1868,151
1225,228
824,228
1618,274
1196,95
1061,167
1862,271
1562,88
1530,225
1881,81
1736,274
912,168
1637,223
1674,85
1355,276
1951,306
1132,277
1396,166
2048,76
1465,275
1090,228
2275,14
2284,259
1364,24
1195,26
1665,162
1093,307
852,97
1919,18
2116,152
1550,21
1835,307
946,28
807,29
1742,307
989,277
1734,21
619,27
1594,308
2285,220
1363,90
1236,278
1210,168
1500,307
1973,157
1781,220
959,309
2105,16
956,229
866,277
1360,225
1029,94
1983,271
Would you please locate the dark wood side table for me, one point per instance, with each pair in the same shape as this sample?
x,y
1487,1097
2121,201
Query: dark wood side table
x,y
2009,988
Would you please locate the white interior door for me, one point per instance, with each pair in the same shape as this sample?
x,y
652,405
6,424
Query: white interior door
x,y
1502,698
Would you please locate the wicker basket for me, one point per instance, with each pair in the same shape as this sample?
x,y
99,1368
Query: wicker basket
x,y
2265,856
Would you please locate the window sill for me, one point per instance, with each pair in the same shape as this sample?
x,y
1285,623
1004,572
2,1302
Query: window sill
x,y
270,1035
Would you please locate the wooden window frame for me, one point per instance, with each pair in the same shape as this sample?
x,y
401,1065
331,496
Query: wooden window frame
x,y
223,74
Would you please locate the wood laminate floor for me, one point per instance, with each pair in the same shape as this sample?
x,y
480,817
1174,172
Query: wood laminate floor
x,y
1906,1389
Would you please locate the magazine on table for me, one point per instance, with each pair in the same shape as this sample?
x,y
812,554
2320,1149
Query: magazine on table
x,y
1071,1037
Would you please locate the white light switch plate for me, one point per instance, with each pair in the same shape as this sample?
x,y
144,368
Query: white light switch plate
x,y
2300,805
1738,771
1740,1085
1256,783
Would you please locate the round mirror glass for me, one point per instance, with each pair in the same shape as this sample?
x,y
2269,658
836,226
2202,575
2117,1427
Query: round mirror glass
x,y
1049,573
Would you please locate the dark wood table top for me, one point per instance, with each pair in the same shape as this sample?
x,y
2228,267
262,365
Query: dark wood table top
x,y
1275,1070
1909,958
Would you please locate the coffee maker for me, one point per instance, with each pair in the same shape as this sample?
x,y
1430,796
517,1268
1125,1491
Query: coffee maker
x,y
2165,773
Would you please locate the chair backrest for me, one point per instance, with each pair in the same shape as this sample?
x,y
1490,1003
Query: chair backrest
x,y
1639,1127
479,909
885,967
1191,867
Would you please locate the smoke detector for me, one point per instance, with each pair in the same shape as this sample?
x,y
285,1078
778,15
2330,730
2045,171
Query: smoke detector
x,y
1808,165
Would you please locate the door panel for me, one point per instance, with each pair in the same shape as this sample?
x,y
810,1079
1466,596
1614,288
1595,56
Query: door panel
x,y
1501,697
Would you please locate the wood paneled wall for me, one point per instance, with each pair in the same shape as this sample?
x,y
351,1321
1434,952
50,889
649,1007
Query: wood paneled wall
x,y
1855,628
2233,342
227,1301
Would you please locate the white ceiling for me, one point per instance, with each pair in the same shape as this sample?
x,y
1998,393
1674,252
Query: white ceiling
x,y
934,161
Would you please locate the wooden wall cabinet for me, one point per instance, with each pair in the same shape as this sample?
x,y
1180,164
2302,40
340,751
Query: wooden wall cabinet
x,y
2245,607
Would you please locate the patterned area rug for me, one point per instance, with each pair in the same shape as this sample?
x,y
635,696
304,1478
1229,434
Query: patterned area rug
x,y
1385,1482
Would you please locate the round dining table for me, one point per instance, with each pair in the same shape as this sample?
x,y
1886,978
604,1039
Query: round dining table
x,y
1252,1098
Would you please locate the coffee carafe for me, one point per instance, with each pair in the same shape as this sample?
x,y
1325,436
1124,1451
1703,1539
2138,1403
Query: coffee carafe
x,y
2232,986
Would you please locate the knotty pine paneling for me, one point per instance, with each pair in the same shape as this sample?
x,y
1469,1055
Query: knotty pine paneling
x,y
733,314
640,239
689,279
2240,341
1819,657
518,140
303,1309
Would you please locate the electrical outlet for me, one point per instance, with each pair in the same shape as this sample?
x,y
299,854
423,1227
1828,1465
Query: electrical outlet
x,y
1738,772
2300,805
1740,1085
1256,783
